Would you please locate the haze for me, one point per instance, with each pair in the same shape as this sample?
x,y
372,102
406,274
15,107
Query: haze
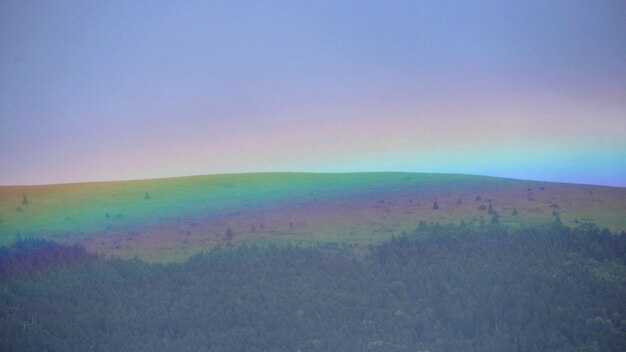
x,y
113,90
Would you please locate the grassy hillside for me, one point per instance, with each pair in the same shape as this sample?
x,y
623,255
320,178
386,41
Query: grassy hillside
x,y
168,219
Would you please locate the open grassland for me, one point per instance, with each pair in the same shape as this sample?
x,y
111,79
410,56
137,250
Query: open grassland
x,y
171,219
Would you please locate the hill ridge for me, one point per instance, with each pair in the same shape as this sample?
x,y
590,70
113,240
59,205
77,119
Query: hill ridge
x,y
176,217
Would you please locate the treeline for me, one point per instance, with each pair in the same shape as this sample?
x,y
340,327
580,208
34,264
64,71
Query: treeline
x,y
441,288
31,255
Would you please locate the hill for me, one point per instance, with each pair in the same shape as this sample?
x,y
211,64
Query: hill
x,y
174,218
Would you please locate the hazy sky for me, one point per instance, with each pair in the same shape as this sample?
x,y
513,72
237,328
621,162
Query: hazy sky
x,y
104,90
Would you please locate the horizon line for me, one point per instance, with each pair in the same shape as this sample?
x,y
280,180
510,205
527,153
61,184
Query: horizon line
x,y
296,172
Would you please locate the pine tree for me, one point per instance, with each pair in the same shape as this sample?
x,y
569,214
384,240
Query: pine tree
x,y
229,234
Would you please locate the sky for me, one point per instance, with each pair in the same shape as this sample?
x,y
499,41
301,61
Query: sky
x,y
113,90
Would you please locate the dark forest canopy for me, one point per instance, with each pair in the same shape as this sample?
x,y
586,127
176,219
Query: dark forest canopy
x,y
440,288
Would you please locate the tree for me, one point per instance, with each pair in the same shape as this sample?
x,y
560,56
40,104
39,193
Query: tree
x,y
24,200
435,206
229,234
475,292
146,196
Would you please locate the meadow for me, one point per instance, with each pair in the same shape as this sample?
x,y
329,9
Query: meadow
x,y
313,262
171,219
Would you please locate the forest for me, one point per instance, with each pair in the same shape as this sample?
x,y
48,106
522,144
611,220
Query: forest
x,y
464,287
